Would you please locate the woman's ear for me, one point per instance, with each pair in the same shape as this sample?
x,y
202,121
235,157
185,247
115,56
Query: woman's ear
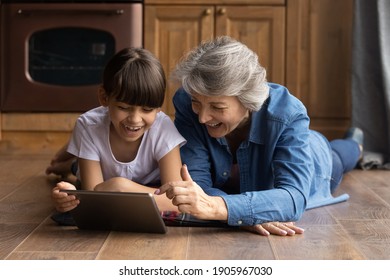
x,y
102,96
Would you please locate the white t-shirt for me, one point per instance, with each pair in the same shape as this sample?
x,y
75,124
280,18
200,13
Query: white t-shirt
x,y
90,140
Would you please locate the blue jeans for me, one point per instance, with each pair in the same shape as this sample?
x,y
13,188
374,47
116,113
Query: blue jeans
x,y
345,156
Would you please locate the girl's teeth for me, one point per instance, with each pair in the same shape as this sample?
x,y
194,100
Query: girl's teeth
x,y
132,128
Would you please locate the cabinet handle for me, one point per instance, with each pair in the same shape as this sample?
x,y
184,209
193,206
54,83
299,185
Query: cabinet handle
x,y
207,12
222,11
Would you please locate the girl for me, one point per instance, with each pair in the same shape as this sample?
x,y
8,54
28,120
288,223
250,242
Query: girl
x,y
127,144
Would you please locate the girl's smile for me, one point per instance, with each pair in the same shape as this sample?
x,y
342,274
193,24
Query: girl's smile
x,y
131,131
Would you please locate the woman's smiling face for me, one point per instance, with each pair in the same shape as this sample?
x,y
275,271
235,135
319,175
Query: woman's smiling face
x,y
220,114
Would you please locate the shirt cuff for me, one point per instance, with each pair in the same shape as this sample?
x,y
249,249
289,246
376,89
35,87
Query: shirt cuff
x,y
239,210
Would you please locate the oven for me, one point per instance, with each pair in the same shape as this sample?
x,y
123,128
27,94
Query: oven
x,y
53,52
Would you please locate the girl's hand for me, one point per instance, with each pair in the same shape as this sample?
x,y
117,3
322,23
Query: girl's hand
x,y
189,197
276,228
64,202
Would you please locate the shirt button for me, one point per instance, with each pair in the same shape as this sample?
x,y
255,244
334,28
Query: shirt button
x,y
239,222
225,173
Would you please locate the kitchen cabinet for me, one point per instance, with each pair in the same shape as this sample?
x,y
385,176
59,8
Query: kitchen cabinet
x,y
318,61
172,30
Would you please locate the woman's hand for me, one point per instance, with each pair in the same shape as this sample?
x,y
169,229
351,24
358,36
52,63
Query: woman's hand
x,y
276,228
64,202
190,198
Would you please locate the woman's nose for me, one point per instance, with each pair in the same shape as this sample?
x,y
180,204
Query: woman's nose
x,y
203,115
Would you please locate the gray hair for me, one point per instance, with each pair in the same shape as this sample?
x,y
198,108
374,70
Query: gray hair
x,y
224,67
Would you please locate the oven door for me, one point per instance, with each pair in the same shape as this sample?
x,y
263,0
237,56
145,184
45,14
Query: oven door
x,y
53,55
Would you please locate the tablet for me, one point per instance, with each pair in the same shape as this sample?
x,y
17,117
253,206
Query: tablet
x,y
118,211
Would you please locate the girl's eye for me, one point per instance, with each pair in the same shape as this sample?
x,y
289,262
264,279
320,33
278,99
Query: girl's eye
x,y
147,109
122,108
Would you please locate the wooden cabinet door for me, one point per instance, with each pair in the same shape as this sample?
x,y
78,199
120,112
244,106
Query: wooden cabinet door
x,y
171,31
319,40
262,29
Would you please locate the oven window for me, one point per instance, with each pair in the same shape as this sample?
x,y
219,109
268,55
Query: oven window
x,y
69,56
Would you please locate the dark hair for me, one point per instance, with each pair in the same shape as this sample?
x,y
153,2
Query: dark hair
x,y
136,77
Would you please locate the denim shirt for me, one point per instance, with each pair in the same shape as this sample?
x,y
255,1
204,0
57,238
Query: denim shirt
x,y
284,167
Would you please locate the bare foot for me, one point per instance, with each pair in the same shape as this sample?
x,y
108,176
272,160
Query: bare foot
x,y
61,164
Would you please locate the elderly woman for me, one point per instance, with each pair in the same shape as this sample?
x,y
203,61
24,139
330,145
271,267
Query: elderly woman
x,y
252,159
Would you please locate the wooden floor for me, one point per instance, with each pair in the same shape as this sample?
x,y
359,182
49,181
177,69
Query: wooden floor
x,y
356,229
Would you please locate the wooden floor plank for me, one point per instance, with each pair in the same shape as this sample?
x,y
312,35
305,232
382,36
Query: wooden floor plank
x,y
328,242
52,255
11,235
377,181
317,216
146,246
14,171
372,237
50,241
363,202
216,244
30,203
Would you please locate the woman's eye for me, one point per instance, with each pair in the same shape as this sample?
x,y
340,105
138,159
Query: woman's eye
x,y
195,103
195,106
